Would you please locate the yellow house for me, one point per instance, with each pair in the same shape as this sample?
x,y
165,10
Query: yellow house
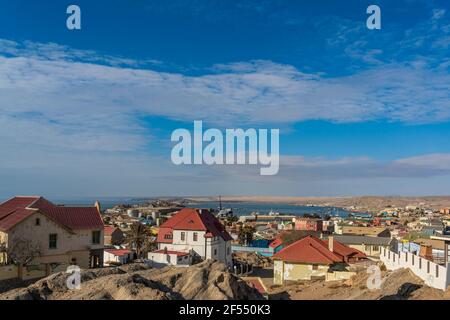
x,y
311,258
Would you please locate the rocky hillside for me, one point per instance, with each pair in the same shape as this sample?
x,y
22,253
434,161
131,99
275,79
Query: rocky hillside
x,y
401,284
207,280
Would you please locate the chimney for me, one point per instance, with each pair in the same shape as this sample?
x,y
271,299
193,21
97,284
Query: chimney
x,y
97,205
330,243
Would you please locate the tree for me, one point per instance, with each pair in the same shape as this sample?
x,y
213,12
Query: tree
x,y
138,237
245,235
231,219
3,251
23,251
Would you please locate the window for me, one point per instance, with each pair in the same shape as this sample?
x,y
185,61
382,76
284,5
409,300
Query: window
x,y
183,236
376,248
195,236
315,267
215,252
52,241
38,222
96,237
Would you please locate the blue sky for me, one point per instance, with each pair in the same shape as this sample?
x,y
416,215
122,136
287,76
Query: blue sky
x,y
90,112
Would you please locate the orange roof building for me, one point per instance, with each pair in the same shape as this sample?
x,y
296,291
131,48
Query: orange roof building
x,y
310,258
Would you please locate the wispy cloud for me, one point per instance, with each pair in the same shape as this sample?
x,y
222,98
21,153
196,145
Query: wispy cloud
x,y
258,91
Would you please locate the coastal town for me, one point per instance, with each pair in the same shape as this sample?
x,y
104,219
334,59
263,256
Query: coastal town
x,y
271,255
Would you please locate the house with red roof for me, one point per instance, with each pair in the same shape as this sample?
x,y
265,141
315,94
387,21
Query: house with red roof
x,y
313,258
114,256
196,232
113,236
56,236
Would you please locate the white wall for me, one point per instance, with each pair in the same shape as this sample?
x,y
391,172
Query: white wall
x,y
109,257
188,243
159,260
432,274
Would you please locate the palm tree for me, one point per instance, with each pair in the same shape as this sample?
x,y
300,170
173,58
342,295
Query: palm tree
x,y
138,237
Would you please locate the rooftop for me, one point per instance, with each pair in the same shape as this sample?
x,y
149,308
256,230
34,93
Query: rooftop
x,y
313,250
17,209
190,219
350,239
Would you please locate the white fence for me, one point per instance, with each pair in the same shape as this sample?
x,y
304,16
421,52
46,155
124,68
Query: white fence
x,y
432,274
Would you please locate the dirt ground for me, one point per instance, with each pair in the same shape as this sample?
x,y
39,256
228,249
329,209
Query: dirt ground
x,y
205,281
398,285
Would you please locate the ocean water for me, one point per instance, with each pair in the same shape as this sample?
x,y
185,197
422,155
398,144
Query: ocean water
x,y
239,208
245,208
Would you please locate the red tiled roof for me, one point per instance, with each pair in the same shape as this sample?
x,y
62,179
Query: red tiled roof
x,y
109,230
15,203
310,250
178,253
276,243
164,235
17,209
14,218
192,219
118,252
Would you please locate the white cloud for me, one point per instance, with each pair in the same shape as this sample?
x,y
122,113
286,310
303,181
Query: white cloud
x,y
63,105
246,92
437,161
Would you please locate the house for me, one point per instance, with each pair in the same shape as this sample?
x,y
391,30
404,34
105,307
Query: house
x,y
308,224
312,258
113,236
53,236
277,244
194,231
117,256
164,257
370,246
366,231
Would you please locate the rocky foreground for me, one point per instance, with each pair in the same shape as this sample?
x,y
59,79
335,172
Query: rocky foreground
x,y
211,281
401,284
205,281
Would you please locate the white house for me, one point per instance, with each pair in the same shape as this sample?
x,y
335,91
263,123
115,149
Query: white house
x,y
194,231
117,256
162,258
